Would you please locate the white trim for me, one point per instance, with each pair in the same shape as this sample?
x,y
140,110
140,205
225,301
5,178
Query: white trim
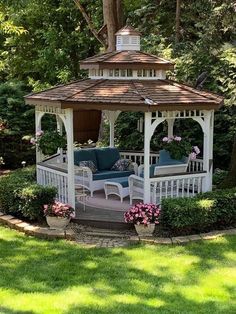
x,y
70,154
160,75
147,138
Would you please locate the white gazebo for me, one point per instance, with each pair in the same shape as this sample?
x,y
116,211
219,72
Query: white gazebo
x,y
128,80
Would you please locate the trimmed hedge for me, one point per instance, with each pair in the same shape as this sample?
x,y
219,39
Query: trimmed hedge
x,y
22,197
207,211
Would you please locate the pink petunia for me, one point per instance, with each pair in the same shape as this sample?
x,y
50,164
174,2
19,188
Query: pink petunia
x,y
193,156
196,150
178,138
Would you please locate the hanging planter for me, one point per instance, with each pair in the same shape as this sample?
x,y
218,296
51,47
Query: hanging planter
x,y
48,142
179,149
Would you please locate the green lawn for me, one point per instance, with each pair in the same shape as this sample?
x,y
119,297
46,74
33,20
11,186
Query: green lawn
x,y
39,276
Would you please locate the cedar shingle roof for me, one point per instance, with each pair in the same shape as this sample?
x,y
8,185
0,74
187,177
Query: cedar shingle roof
x,y
128,30
129,59
127,95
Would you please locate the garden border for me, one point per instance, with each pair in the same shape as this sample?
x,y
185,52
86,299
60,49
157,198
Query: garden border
x,y
69,234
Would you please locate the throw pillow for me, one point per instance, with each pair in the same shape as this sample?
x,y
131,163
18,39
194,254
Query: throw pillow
x,y
122,165
90,164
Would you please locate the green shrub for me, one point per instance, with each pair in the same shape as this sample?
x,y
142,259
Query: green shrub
x,y
206,211
11,184
22,197
225,206
33,197
218,176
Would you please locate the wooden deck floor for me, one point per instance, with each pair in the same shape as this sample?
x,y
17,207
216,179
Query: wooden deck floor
x,y
97,208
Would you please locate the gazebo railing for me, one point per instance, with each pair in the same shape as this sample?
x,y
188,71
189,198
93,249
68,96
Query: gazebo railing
x,y
183,185
52,177
138,157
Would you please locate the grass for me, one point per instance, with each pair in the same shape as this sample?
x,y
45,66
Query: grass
x,y
58,277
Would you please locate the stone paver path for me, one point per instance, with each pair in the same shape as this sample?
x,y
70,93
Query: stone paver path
x,y
103,238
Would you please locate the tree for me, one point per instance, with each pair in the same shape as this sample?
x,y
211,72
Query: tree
x,y
112,21
177,21
230,180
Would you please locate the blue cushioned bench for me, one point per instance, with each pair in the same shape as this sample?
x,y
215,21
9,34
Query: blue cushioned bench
x,y
117,186
103,159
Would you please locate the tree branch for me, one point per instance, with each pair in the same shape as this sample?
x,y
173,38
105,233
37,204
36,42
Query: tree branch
x,y
89,22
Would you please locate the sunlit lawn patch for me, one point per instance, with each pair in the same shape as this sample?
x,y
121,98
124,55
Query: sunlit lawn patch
x,y
58,277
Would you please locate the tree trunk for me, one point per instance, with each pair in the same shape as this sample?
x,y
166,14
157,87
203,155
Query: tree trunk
x,y
177,21
119,14
230,180
110,18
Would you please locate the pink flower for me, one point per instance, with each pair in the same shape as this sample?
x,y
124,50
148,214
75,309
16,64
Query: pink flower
x,y
196,149
32,141
193,156
39,133
165,139
178,138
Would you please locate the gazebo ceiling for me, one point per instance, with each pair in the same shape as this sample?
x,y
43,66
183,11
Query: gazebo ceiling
x,y
126,95
129,59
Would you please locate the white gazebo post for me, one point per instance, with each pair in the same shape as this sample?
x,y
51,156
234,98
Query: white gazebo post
x,y
38,118
60,131
112,116
208,149
147,138
70,155
170,123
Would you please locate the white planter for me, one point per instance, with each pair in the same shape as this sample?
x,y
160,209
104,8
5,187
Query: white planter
x,y
145,231
57,222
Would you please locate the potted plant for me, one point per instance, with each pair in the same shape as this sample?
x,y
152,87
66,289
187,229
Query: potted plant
x,y
144,217
49,141
58,215
179,148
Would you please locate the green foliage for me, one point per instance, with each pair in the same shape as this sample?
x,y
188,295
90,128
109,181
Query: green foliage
x,y
21,196
57,38
177,147
210,210
11,184
17,120
50,141
32,198
219,176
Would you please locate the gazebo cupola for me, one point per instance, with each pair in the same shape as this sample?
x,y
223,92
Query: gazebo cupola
x,y
127,38
127,61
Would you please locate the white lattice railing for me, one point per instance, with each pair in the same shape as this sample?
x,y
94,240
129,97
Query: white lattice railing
x,y
138,157
51,177
185,185
195,165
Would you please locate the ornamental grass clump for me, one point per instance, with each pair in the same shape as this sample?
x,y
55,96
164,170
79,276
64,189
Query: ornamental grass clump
x,y
58,209
143,214
179,148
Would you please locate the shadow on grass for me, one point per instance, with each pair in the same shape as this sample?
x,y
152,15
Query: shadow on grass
x,y
29,265
4,310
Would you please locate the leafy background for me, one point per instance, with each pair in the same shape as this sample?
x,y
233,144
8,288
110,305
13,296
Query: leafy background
x,y
42,43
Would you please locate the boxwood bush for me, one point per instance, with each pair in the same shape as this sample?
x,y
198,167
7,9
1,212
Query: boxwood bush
x,y
207,211
22,197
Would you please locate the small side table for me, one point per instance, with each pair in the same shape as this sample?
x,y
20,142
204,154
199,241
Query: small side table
x,y
117,186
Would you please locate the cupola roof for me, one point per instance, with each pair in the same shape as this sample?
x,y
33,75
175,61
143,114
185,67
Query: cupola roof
x,y
126,59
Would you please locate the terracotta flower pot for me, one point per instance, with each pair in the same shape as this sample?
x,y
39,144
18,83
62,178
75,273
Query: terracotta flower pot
x,y
57,222
145,231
